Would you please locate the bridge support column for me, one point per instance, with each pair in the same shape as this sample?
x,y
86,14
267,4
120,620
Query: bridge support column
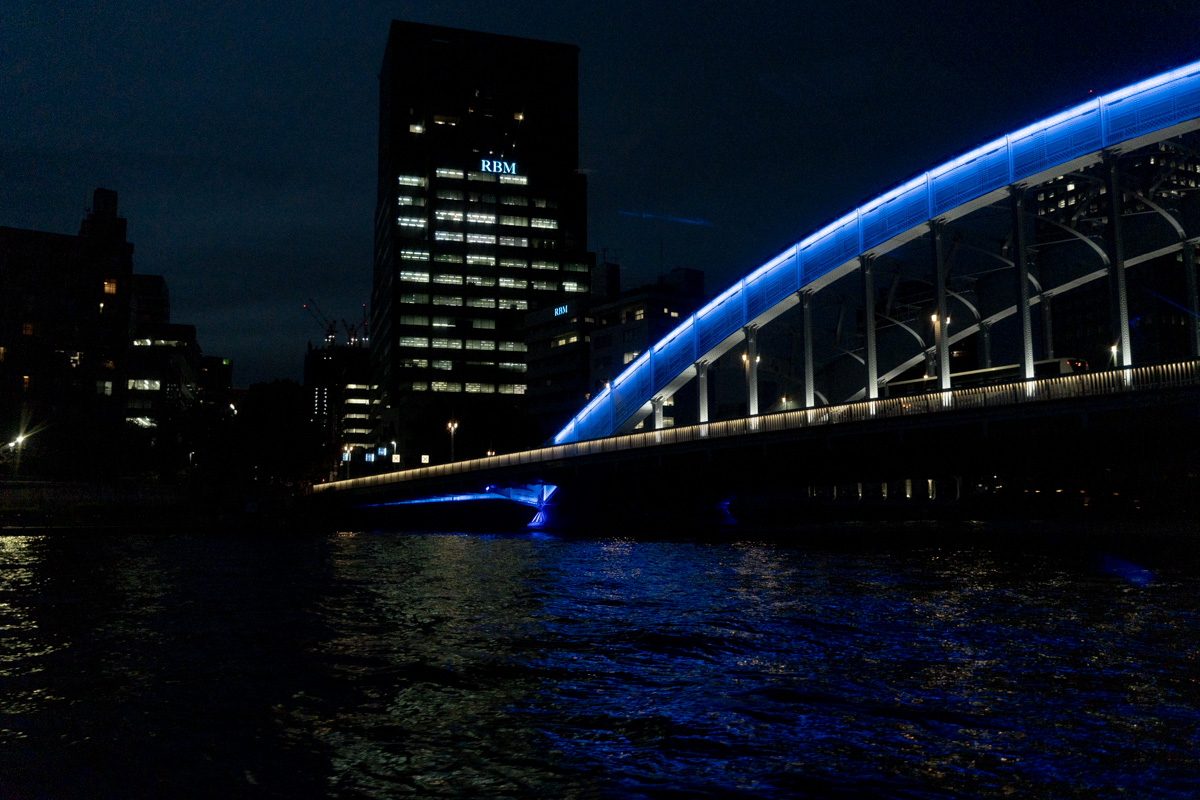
x,y
1020,241
810,400
941,323
867,265
1047,326
1189,267
985,343
1116,263
702,388
751,370
657,405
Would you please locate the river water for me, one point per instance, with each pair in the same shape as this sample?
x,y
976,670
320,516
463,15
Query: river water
x,y
1024,661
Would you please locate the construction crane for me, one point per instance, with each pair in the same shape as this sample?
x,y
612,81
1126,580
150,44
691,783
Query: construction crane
x,y
330,328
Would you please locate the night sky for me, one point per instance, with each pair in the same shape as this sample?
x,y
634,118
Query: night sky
x,y
242,136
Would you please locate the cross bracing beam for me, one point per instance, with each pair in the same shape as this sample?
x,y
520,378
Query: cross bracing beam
x,y
1145,113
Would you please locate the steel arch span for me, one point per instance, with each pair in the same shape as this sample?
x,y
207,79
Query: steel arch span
x,y
1082,141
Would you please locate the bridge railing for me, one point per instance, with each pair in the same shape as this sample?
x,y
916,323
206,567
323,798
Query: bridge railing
x,y
1092,384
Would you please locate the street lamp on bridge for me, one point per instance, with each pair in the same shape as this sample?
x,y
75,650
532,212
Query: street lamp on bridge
x,y
452,426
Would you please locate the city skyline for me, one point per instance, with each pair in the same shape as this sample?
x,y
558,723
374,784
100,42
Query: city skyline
x,y
244,149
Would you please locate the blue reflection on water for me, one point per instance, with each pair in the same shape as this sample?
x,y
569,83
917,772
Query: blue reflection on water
x,y
529,665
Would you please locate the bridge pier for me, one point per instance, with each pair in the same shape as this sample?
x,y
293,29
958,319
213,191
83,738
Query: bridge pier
x,y
867,267
1189,266
809,386
941,322
751,370
702,389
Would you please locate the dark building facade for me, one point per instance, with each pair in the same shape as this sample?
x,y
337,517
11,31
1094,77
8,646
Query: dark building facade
x,y
480,219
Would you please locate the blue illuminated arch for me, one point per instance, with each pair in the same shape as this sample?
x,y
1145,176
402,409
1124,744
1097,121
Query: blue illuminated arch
x,y
1146,112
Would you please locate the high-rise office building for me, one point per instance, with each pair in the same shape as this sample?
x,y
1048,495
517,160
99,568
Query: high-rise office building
x,y
480,218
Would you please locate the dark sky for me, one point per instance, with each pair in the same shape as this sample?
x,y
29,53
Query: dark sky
x,y
242,136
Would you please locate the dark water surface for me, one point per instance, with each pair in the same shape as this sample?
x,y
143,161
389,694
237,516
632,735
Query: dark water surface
x,y
988,662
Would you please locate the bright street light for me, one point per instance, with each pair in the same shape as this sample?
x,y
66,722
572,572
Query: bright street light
x,y
452,426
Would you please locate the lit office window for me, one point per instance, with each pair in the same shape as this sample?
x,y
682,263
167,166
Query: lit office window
x,y
481,388
513,200
513,366
513,305
480,280
480,218
543,223
449,194
514,241
448,344
513,283
517,179
443,365
455,280
443,172
413,319
414,277
630,356
486,177
448,216
446,300
110,287
144,384
414,341
486,261
416,127
522,222
448,258
414,363
574,267
447,236
414,255
476,197
483,324
481,238
544,286
544,264
420,386
481,344
573,286
515,263
409,200
417,299
541,202
444,322
513,347
481,302
446,386
411,180
411,222
512,388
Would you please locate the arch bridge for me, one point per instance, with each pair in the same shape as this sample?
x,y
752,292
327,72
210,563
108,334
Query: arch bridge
x,y
947,269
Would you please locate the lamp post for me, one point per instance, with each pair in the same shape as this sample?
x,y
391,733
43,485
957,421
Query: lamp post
x,y
452,426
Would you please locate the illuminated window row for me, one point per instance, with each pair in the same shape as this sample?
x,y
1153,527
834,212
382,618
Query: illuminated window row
x,y
545,286
575,267
455,280
513,305
414,255
513,283
414,277
411,222
443,365
408,200
515,263
447,344
448,258
513,366
572,286
480,280
520,180
144,384
514,241
411,180
448,216
443,322
543,223
418,299
481,344
513,200
488,261
544,264
481,238
454,387
446,300
480,218
449,194
521,222
443,172
447,236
